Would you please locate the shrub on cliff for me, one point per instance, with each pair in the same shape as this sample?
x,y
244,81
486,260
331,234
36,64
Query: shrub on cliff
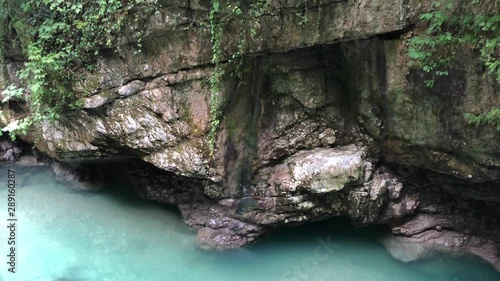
x,y
457,25
57,37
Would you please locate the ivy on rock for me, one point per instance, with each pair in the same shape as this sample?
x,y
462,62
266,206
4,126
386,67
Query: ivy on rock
x,y
58,38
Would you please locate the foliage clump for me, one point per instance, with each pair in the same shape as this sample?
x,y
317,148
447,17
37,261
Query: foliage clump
x,y
491,117
58,38
453,26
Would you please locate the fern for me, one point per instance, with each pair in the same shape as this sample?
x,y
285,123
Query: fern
x,y
491,117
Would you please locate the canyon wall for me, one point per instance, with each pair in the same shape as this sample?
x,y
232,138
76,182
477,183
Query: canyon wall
x,y
324,119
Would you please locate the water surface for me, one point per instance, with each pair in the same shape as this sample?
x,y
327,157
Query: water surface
x,y
66,235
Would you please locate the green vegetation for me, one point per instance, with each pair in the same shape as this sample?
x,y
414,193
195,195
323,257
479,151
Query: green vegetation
x,y
451,27
491,117
58,38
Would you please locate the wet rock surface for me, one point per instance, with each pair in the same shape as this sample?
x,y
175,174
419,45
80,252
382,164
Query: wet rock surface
x,y
325,120
10,151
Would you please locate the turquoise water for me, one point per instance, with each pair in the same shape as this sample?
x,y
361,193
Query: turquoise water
x,y
65,235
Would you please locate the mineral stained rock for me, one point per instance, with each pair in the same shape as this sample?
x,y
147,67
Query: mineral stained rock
x,y
325,119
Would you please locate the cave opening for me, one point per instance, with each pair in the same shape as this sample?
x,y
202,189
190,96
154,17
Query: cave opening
x,y
123,233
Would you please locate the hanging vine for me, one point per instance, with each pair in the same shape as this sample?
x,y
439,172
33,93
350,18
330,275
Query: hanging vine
x,y
452,27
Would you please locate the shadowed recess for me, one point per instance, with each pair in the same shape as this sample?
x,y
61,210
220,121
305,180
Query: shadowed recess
x,y
113,236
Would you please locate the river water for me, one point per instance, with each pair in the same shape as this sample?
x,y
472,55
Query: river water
x,y
70,236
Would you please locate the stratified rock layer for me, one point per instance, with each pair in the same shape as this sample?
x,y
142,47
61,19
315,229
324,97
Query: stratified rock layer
x,y
324,119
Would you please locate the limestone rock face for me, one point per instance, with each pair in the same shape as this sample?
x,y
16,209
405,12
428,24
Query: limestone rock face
x,y
324,118
432,242
9,151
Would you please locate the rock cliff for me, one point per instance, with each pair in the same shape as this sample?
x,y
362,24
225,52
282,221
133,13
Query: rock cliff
x,y
325,119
